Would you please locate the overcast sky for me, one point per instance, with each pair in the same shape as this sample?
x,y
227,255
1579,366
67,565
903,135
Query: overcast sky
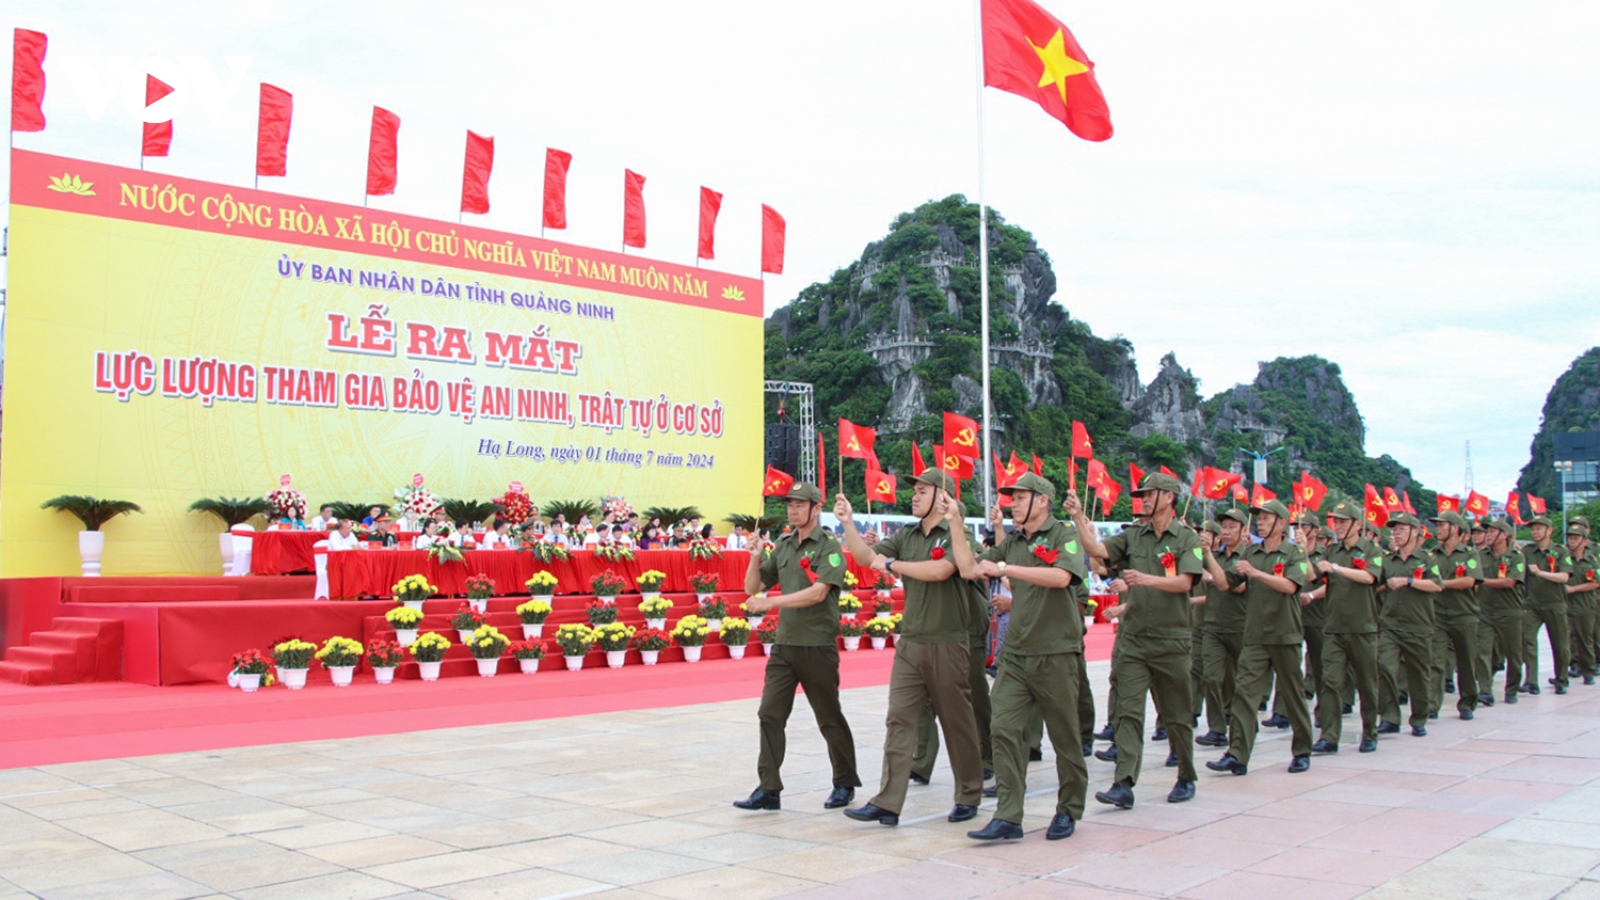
x,y
1407,189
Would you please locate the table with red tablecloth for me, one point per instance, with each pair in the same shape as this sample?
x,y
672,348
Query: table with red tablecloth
x,y
283,552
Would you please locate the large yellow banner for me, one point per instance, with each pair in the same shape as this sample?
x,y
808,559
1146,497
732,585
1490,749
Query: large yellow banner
x,y
168,340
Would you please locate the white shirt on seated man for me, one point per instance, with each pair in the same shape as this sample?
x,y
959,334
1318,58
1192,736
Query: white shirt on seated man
x,y
737,540
324,520
344,539
498,536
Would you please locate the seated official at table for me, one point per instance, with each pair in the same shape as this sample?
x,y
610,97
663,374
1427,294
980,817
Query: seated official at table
x,y
381,534
593,538
429,535
289,524
651,539
345,538
499,536
737,539
373,515
324,520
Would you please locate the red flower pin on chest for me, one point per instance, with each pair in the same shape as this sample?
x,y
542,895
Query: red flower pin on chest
x,y
1045,553
1416,574
1461,571
1358,563
1502,570
1169,564
936,553
1550,563
805,566
1277,568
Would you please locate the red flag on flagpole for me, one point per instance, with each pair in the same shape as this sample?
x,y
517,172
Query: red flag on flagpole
x,y
1169,473
917,465
1259,495
556,163
1028,52
961,435
774,232
1038,465
475,174
1135,475
1072,474
27,80
856,441
710,204
1082,447
1096,475
957,465
1477,504
1198,487
1391,501
1377,512
1311,491
157,135
1108,492
272,131
632,209
383,153
880,486
1536,504
1405,503
777,483
1448,503
1513,508
1218,483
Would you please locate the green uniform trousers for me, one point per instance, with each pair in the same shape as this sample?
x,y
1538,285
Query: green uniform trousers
x,y
1554,620
1348,658
936,674
817,670
1197,684
1499,637
1048,685
1035,733
1159,667
1219,659
1258,664
928,731
1412,652
1455,647
1582,623
1314,681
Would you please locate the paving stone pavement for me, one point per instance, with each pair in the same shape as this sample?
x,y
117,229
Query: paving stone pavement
x,y
636,804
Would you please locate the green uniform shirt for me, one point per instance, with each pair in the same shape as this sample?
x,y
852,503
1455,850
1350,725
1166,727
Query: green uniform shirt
x,y
936,612
1043,620
816,625
1080,587
1315,613
1225,610
1461,564
1544,594
1272,617
1352,606
1501,602
1585,571
1153,613
1408,610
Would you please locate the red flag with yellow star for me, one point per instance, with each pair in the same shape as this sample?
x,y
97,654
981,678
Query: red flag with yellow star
x,y
1028,52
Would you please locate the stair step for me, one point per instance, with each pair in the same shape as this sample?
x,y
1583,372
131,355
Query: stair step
x,y
25,673
59,663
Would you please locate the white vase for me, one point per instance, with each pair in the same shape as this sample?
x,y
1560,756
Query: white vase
x,y
480,606
615,658
766,649
852,644
574,663
488,667
384,674
650,656
250,683
414,604
429,670
848,616
528,666
91,544
736,650
225,544
342,675
465,635
714,624
293,679
405,637
692,654
532,632
655,623
878,643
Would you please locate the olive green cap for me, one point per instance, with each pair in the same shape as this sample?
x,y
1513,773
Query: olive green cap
x,y
1577,528
1503,526
1579,520
1241,516
1275,507
802,491
1309,520
1327,534
1211,526
1344,510
1401,518
939,478
1031,482
1541,520
1481,525
1453,518
1159,481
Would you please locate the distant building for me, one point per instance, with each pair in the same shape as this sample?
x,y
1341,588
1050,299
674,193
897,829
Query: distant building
x,y
1577,462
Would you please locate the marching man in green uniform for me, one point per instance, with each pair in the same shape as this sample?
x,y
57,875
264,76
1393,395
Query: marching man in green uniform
x,y
1350,631
1581,602
1156,565
1272,572
1225,615
1313,608
1202,702
932,661
1500,611
1549,568
1455,614
1039,663
808,564
1408,581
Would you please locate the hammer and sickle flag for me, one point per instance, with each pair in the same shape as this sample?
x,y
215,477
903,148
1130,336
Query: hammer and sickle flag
x,y
856,441
880,486
1447,503
1477,504
1310,491
960,436
1028,52
777,483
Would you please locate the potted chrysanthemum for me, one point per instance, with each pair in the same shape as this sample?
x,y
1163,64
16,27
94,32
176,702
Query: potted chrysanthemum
x,y
542,584
879,629
850,630
384,657
249,668
655,609
754,618
412,590
340,655
479,589
767,633
527,654
465,622
404,620
735,636
650,582
650,642
428,650
533,613
690,634
575,639
293,659
849,605
487,645
613,638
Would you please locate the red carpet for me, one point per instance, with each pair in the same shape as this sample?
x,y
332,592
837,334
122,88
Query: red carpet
x,y
73,723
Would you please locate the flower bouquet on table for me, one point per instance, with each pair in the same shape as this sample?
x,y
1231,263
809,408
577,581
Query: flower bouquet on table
x,y
650,582
533,613
690,634
850,630
575,640
602,611
655,609
879,630
882,606
416,502
713,610
613,638
466,621
515,505
607,584
412,590
547,552
542,584
767,634
735,636
700,548
487,645
755,618
444,552
339,656
249,668
286,502
849,605
616,507
611,551
650,642
704,584
404,620
429,652
384,656
527,654
293,659
480,588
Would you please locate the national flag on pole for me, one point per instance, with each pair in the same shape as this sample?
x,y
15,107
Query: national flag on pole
x,y
1038,465
961,436
1135,476
1477,504
556,164
475,172
1391,501
1082,447
1536,504
917,465
1028,52
777,483
27,80
1377,512
383,153
1198,487
1007,474
957,465
1259,495
856,441
1514,508
1096,474
1405,502
1108,492
710,205
880,486
272,131
773,234
822,466
1217,483
1310,491
1448,503
1240,495
157,135
632,209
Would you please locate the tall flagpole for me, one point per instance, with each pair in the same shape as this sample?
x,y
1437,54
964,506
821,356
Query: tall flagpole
x,y
983,266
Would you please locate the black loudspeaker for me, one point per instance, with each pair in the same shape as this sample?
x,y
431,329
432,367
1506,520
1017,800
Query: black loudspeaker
x,y
783,447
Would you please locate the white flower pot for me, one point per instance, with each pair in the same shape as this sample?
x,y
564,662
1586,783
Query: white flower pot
x,y
532,632
384,674
736,651
755,620
650,656
701,598
429,670
895,638
293,679
405,637
882,615
464,635
342,675
233,679
878,643
714,624
615,658
528,666
692,654
414,604
852,644
91,544
1088,623
480,606
225,544
250,683
488,667
574,663
650,595
766,649
848,616
883,595
655,623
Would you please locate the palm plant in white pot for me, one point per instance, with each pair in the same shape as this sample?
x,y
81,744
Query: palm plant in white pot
x,y
93,513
